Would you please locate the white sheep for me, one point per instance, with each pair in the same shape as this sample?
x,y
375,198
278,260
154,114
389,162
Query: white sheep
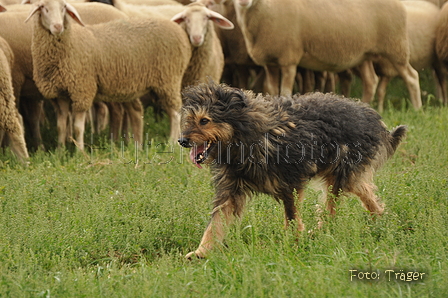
x,y
18,35
238,64
422,18
441,42
115,61
147,11
324,35
9,116
207,59
438,3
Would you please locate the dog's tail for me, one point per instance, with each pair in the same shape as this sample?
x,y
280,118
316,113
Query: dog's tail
x,y
396,136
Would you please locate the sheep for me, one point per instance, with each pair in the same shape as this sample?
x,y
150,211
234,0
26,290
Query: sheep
x,y
144,8
441,43
438,3
18,35
9,116
154,2
207,60
325,35
238,64
115,61
422,20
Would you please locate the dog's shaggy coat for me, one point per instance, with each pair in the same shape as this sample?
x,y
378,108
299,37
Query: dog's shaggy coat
x,y
275,145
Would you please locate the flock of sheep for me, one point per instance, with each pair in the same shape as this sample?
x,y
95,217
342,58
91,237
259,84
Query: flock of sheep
x,y
110,57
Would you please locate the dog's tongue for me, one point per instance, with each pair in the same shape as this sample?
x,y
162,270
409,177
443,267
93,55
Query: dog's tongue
x,y
194,152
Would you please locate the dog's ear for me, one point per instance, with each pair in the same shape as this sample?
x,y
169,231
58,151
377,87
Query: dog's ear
x,y
233,99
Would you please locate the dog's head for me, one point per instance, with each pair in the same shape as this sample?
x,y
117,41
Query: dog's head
x,y
211,114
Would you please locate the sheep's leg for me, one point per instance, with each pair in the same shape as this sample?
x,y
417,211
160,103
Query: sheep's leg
x,y
439,74
305,79
381,92
33,112
18,145
345,82
174,124
134,110
79,125
280,80
410,77
321,79
369,80
330,82
116,113
62,107
100,114
272,80
288,75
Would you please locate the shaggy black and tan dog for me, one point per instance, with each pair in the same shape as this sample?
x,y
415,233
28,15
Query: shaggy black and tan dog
x,y
276,145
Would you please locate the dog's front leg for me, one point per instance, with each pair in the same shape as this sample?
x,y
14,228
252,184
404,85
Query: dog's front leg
x,y
222,216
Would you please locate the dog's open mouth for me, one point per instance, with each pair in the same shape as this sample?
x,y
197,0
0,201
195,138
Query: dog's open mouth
x,y
198,154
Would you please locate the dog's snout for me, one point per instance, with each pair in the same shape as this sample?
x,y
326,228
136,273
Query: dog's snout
x,y
184,142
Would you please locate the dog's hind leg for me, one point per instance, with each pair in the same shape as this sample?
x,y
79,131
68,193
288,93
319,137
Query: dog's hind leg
x,y
332,193
291,213
364,188
222,216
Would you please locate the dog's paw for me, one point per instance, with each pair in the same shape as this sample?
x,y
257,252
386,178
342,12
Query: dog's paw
x,y
194,255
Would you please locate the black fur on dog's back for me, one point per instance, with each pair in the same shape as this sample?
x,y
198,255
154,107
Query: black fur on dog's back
x,y
313,119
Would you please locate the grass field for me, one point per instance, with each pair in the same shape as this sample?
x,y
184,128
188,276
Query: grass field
x,y
100,224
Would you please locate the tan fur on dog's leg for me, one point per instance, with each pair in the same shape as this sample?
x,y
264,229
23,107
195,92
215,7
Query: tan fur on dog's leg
x,y
364,188
222,216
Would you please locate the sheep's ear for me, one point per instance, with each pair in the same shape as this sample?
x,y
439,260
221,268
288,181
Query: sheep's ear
x,y
26,2
219,20
179,18
2,8
33,11
74,14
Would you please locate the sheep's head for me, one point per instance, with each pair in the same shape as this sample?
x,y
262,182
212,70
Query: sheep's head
x,y
244,3
196,17
53,14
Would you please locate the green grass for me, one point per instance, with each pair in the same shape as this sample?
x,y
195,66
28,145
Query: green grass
x,y
101,224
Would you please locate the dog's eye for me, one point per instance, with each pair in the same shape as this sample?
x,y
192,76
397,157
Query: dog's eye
x,y
204,121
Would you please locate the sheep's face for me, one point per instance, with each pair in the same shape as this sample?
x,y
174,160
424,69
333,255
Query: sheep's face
x,y
53,13
244,3
195,18
196,26
52,17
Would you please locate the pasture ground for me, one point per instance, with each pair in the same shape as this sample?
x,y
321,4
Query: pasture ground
x,y
100,224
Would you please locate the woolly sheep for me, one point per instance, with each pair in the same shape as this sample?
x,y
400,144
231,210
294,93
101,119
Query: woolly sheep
x,y
115,61
338,37
438,3
144,8
442,39
18,35
9,116
238,64
207,58
422,18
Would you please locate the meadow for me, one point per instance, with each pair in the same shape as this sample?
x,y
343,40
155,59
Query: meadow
x,y
116,222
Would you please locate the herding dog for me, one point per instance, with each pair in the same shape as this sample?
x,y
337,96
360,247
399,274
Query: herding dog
x,y
275,145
